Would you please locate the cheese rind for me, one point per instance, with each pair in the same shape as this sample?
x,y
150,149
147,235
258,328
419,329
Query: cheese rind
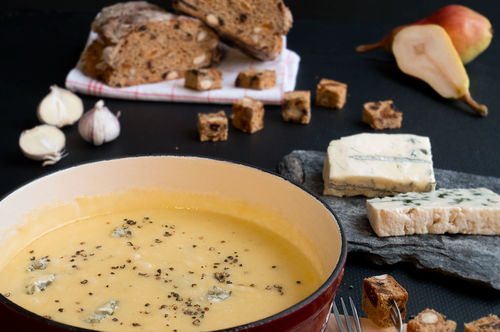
x,y
465,211
378,165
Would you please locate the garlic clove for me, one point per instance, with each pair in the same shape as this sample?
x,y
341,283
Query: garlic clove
x,y
60,107
43,142
99,125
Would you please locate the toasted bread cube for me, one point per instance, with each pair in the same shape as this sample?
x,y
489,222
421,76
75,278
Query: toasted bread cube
x,y
490,323
297,107
203,79
430,321
331,94
379,292
382,115
248,115
256,79
212,126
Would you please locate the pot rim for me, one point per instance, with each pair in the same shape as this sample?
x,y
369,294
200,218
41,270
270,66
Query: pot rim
x,y
333,276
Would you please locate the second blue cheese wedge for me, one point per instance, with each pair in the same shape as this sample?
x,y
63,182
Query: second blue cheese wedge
x,y
465,211
376,165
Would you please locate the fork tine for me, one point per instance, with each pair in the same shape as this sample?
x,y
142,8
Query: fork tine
x,y
346,316
393,315
355,315
393,318
337,318
349,325
396,316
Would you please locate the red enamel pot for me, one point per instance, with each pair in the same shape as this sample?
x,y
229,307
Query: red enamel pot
x,y
306,212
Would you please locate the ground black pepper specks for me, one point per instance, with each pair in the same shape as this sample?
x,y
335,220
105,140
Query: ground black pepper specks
x,y
226,263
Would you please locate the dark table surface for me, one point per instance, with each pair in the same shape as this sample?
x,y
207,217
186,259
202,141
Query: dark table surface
x,y
41,42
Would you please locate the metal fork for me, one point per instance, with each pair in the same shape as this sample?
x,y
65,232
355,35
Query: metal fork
x,y
346,316
396,316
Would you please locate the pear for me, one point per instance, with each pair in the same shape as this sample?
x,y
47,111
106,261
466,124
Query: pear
x,y
426,52
470,32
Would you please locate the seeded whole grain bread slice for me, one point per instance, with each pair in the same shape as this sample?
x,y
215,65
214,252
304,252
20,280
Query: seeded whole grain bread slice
x,y
141,43
254,26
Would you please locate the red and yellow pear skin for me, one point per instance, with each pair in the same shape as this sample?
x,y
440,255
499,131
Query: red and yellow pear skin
x,y
469,31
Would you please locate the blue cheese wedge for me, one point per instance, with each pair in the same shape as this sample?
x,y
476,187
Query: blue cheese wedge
x,y
376,165
465,211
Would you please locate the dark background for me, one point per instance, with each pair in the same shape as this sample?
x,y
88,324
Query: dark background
x,y
41,42
375,11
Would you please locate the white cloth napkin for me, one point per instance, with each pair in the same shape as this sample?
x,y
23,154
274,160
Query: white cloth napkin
x,y
286,67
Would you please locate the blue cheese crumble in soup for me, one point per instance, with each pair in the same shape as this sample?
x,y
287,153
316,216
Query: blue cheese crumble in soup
x,y
160,268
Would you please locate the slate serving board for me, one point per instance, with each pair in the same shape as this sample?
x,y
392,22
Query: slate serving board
x,y
471,257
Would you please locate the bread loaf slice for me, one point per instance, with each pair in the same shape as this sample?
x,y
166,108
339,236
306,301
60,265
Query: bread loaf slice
x,y
141,43
254,26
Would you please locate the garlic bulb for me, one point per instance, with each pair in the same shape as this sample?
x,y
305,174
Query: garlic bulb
x,y
60,107
44,142
99,125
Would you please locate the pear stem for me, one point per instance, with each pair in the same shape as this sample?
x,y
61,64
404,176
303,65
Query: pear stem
x,y
480,109
369,47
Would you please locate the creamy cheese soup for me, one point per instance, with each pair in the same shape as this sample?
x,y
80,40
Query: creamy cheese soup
x,y
166,267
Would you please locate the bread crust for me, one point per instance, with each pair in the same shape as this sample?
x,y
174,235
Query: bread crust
x,y
140,43
256,79
490,323
379,292
430,320
254,26
248,115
